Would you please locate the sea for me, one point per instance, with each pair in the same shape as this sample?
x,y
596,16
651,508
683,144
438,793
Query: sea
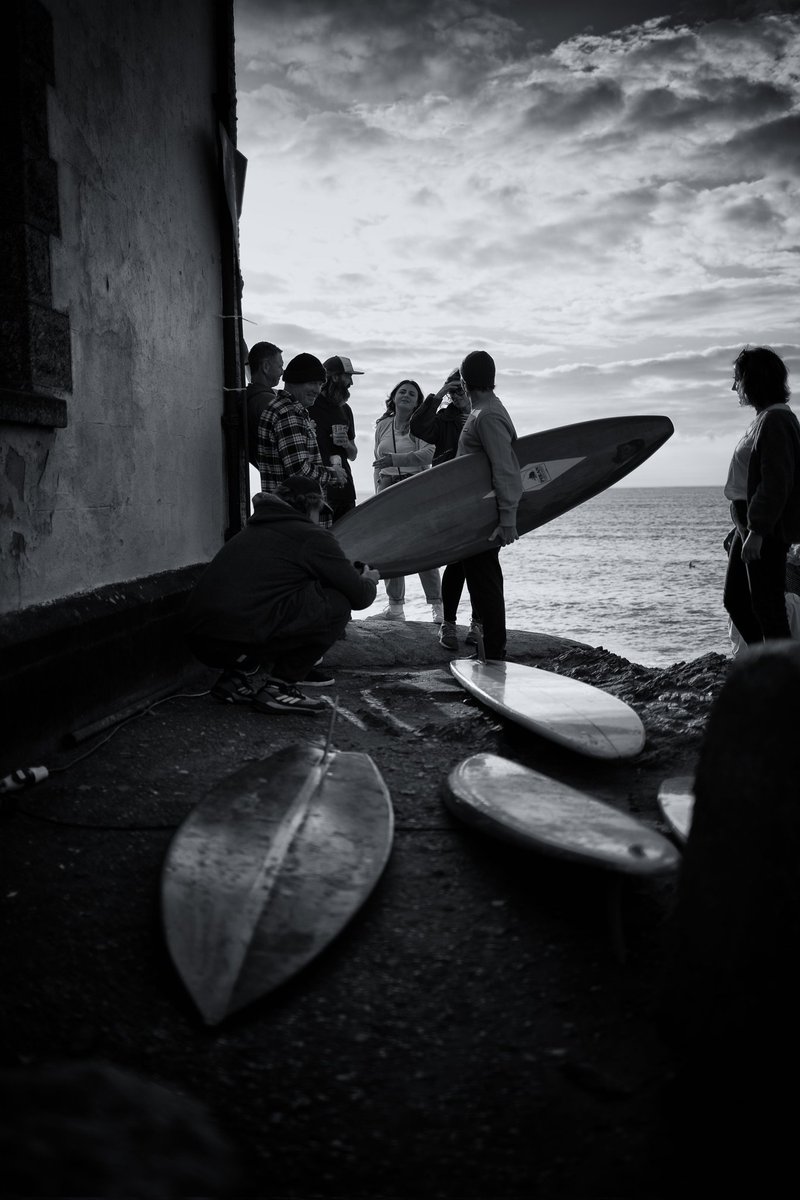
x,y
638,571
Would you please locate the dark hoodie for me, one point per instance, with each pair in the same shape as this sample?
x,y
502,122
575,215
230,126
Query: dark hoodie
x,y
441,426
270,577
325,413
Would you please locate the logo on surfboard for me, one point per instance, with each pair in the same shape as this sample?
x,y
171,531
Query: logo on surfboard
x,y
537,475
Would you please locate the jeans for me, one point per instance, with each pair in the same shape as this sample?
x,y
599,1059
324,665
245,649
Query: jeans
x,y
288,657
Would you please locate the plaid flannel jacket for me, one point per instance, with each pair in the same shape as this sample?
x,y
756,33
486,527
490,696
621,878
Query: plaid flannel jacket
x,y
287,445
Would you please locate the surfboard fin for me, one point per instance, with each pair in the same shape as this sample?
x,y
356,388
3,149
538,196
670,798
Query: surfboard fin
x,y
479,645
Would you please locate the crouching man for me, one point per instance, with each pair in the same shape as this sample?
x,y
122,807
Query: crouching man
x,y
279,593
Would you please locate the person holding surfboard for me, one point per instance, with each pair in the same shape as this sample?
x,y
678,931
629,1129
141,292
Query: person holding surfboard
x,y
279,592
440,419
399,455
763,487
489,430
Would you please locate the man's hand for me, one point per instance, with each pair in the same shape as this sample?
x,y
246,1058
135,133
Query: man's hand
x,y
506,533
372,574
751,547
385,460
340,475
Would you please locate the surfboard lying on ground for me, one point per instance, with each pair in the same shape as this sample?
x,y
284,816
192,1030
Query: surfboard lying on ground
x,y
448,512
514,803
676,801
268,868
573,714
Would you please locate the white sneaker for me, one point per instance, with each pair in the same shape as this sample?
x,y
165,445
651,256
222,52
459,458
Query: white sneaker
x,y
393,612
438,612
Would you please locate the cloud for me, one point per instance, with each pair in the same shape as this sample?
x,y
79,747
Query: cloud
x,y
429,178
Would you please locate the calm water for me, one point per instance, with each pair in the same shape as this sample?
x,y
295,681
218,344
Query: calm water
x,y
639,571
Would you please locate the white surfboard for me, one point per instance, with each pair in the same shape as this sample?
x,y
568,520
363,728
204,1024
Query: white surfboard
x,y
676,801
573,714
514,803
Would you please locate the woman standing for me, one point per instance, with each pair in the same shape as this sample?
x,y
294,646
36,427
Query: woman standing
x,y
398,455
763,487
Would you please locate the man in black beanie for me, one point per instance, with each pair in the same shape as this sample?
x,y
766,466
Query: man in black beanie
x,y
287,442
489,430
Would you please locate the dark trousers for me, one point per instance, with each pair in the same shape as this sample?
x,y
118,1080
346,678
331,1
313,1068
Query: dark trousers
x,y
453,579
754,595
484,577
286,656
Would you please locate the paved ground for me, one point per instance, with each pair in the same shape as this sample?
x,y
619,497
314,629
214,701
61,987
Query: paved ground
x,y
472,1033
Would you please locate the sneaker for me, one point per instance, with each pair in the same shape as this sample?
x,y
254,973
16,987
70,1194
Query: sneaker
x,y
277,696
393,612
448,635
247,665
475,628
438,612
232,688
318,677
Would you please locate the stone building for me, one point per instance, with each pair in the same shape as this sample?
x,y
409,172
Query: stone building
x,y
121,365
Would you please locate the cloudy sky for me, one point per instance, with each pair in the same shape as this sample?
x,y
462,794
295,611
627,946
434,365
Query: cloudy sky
x,y
607,203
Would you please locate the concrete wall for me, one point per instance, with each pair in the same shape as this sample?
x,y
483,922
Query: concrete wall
x,y
134,484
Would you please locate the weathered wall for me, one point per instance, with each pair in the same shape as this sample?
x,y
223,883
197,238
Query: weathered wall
x,y
134,484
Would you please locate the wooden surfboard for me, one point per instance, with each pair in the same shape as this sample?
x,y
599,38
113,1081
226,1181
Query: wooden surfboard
x,y
573,714
268,868
512,802
448,512
676,801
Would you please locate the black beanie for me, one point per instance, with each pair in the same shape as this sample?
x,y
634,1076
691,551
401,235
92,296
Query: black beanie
x,y
304,368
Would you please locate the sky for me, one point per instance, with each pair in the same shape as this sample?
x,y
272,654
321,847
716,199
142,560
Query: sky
x,y
603,196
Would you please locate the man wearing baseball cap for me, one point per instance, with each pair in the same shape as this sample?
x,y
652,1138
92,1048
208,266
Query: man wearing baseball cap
x,y
287,443
279,594
336,430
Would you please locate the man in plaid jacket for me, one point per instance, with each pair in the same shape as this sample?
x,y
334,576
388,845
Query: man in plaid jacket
x,y
287,442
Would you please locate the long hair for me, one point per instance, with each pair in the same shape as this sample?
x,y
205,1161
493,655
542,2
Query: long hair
x,y
390,405
763,375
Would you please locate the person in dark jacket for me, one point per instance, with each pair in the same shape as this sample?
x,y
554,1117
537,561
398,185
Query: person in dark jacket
x,y
336,431
440,419
265,362
279,592
763,487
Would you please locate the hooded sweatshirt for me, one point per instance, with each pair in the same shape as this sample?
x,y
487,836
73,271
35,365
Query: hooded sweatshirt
x,y
269,579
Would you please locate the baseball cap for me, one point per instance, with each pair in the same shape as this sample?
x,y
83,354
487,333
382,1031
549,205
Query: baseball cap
x,y
339,365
